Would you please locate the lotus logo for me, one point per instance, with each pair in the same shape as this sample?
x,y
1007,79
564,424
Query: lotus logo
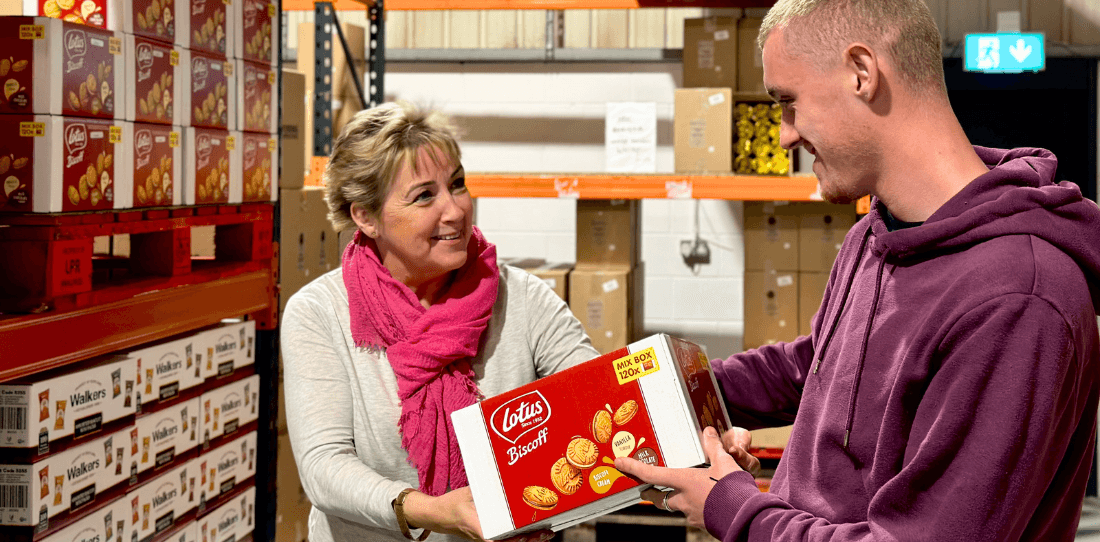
x,y
249,153
76,43
143,142
200,67
520,416
76,137
144,56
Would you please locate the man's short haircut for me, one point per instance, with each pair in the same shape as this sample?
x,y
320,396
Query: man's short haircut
x,y
905,29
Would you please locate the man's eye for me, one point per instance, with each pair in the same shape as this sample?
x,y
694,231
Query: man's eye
x,y
459,184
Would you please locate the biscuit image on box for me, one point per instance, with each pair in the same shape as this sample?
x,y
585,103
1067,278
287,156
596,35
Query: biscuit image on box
x,y
582,453
540,498
626,412
601,426
566,478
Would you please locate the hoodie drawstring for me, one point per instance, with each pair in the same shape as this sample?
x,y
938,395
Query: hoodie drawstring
x,y
843,300
863,353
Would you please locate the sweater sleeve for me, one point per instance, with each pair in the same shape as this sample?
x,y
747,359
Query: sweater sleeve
x,y
557,338
992,426
763,386
319,405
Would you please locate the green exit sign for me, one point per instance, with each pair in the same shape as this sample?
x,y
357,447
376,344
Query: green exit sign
x,y
1006,52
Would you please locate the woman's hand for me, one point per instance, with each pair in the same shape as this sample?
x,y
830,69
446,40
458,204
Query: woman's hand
x,y
451,513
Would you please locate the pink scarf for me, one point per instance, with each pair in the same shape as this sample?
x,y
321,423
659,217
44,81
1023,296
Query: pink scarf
x,y
429,349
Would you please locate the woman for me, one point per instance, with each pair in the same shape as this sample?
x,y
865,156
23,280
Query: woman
x,y
420,321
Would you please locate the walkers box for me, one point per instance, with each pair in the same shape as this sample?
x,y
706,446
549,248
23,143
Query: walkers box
x,y
189,532
229,348
164,503
162,20
208,27
225,469
59,68
231,521
167,438
50,412
255,39
211,166
54,164
105,14
155,78
156,167
167,370
541,456
257,100
58,489
209,94
106,524
227,409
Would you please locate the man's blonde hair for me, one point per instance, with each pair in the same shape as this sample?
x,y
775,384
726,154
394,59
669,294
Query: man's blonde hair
x,y
372,149
904,29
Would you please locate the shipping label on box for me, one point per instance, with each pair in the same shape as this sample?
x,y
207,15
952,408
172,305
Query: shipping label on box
x,y
106,14
542,455
56,490
210,23
227,467
52,413
165,502
153,81
59,68
254,29
167,370
157,166
257,100
157,19
227,409
258,155
106,524
211,99
231,521
166,438
211,166
229,347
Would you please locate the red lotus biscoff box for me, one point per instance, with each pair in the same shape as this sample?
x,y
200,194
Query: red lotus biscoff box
x,y
167,21
210,91
254,38
542,456
98,13
154,80
54,164
57,68
259,154
211,166
156,167
209,26
256,101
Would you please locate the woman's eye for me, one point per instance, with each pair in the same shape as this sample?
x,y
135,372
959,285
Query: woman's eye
x,y
423,196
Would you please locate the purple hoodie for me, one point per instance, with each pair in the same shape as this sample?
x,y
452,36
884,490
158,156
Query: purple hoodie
x,y
949,389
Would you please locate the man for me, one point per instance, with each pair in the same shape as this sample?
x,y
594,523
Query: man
x,y
948,389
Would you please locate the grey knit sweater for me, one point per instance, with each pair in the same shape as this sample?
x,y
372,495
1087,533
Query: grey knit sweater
x,y
342,406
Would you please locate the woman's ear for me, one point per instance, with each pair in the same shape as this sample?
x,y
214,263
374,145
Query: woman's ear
x,y
367,223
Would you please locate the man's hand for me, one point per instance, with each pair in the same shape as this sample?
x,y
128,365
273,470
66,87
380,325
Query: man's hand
x,y
690,486
737,442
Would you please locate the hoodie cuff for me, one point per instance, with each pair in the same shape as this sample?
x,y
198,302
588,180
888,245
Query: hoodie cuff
x,y
725,499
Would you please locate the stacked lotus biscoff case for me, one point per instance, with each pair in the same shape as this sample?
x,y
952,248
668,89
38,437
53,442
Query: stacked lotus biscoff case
x,y
542,456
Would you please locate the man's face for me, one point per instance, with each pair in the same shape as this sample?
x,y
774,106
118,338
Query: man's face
x,y
822,114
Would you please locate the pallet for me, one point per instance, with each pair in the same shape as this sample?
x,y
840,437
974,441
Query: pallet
x,y
49,265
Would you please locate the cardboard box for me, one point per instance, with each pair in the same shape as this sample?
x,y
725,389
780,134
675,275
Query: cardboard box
x,y
771,237
165,503
188,532
229,348
772,437
648,401
750,67
710,52
227,467
209,28
292,507
260,181
309,247
154,82
156,166
54,164
211,166
608,232
703,130
108,523
167,370
228,410
61,68
255,39
167,21
821,232
556,276
603,299
49,411
105,14
257,100
167,438
231,521
811,290
771,308
58,487
293,170
214,85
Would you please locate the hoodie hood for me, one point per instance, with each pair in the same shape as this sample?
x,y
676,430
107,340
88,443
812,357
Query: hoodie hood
x,y
1017,197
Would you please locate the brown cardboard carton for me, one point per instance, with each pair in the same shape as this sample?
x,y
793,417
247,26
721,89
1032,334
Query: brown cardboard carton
x,y
293,170
703,130
309,246
555,275
771,307
292,508
602,298
811,288
154,79
607,232
710,52
259,152
750,68
772,437
771,237
821,232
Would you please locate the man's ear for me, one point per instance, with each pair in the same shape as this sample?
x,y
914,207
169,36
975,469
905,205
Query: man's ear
x,y
367,223
863,64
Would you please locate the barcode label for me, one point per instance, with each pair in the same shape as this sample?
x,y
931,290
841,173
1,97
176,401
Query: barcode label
x,y
14,496
13,418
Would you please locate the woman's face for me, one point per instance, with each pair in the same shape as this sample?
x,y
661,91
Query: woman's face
x,y
425,223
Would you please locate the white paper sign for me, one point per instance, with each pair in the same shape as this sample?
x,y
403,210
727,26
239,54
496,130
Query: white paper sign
x,y
631,137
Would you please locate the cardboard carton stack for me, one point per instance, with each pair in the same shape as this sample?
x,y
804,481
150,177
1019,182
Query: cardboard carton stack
x,y
604,288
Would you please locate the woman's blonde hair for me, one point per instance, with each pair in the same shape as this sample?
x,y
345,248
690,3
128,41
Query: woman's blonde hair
x,y
372,149
903,29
